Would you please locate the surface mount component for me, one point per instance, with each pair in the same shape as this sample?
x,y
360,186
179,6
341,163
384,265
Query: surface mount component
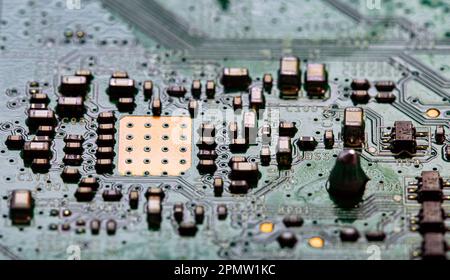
x,y
354,127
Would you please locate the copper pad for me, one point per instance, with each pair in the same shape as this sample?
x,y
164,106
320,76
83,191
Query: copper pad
x,y
154,146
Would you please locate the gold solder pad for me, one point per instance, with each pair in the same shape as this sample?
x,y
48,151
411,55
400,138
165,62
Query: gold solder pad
x,y
154,146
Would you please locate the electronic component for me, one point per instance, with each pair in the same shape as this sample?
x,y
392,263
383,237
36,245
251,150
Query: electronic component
x,y
287,129
32,150
193,108
360,85
154,207
267,82
112,195
284,152
237,102
385,97
447,152
84,194
46,130
70,175
266,134
39,98
403,137
328,139
21,207
199,213
121,87
256,97
74,160
265,155
349,234
147,88
106,117
73,138
85,73
105,153
176,91
439,135
250,125
374,236
125,104
118,74
287,239
104,165
385,86
218,186
207,143
210,89
233,130
156,106
73,85
111,227
38,106
187,229
196,88
95,226
207,154
238,145
289,76
133,199
235,79
40,117
307,143
244,171
70,107
293,221
106,140
431,217
206,166
106,128
360,96
207,130
178,210
40,165
316,80
14,142
353,129
434,246
222,211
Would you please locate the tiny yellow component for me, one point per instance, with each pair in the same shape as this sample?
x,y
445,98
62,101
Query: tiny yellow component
x,y
316,242
433,113
266,227
80,34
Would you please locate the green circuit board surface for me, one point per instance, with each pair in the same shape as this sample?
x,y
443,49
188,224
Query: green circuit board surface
x,y
174,42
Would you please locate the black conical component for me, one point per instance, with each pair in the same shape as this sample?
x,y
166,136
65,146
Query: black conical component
x,y
347,181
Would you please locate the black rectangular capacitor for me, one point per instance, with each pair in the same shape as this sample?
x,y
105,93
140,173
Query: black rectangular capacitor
x,y
289,76
121,87
21,207
316,80
235,79
284,151
353,130
74,86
